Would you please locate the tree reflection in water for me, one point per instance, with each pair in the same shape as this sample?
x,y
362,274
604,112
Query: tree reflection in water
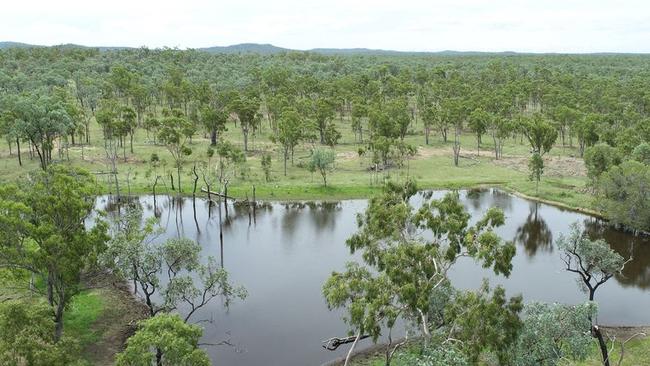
x,y
534,235
637,272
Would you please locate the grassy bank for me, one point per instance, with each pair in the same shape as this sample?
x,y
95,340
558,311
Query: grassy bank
x,y
99,318
636,353
564,180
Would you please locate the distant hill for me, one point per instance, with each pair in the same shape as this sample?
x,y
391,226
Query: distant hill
x,y
269,49
264,49
16,45
4,45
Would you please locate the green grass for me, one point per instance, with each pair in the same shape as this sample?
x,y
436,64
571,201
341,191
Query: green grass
x,y
637,353
432,168
81,315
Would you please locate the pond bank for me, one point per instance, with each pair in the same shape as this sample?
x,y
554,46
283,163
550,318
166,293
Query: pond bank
x,y
637,340
116,322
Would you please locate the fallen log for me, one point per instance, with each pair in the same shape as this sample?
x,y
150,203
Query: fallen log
x,y
219,195
335,342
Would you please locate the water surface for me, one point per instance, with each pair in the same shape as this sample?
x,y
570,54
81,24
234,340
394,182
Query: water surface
x,y
284,253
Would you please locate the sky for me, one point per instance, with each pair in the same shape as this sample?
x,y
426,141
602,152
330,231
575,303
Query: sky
x,y
573,26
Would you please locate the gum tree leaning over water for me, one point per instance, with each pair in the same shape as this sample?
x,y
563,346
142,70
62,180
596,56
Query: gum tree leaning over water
x,y
595,263
411,251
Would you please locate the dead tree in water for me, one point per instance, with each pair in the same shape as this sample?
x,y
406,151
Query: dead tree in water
x,y
196,180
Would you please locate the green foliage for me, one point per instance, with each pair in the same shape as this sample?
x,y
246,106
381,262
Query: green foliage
x,y
164,340
641,153
27,337
592,260
246,105
43,231
174,132
486,323
554,332
437,355
322,160
540,133
624,196
188,281
599,158
41,119
266,166
289,133
409,271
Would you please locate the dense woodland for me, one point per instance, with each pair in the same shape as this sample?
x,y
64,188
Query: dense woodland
x,y
52,96
596,107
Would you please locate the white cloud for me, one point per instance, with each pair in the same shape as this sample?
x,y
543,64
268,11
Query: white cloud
x,y
497,25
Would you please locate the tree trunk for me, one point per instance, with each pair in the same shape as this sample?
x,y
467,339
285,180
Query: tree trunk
x,y
595,330
286,157
58,319
178,178
245,140
213,137
159,356
349,355
20,160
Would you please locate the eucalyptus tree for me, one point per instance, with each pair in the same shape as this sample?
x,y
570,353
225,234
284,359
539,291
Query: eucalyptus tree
x,y
398,112
230,158
500,128
594,262
164,340
151,125
599,159
540,133
8,124
214,121
407,255
27,337
289,133
322,160
359,112
564,118
552,333
173,133
169,274
478,122
641,153
454,113
41,120
623,195
44,233
429,118
246,106
322,113
586,131
128,125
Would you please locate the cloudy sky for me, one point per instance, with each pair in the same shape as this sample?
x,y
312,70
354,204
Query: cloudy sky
x,y
408,25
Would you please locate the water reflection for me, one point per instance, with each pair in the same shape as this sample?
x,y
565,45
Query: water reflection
x,y
637,272
534,234
283,252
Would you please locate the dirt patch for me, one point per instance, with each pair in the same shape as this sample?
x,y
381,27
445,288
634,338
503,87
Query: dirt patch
x,y
426,152
625,333
347,155
118,321
553,166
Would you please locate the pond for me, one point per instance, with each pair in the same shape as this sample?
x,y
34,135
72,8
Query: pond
x,y
284,253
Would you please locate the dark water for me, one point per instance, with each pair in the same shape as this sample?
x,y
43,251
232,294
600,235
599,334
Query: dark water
x,y
285,253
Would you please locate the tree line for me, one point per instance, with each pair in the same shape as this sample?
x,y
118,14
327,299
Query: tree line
x,y
50,96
